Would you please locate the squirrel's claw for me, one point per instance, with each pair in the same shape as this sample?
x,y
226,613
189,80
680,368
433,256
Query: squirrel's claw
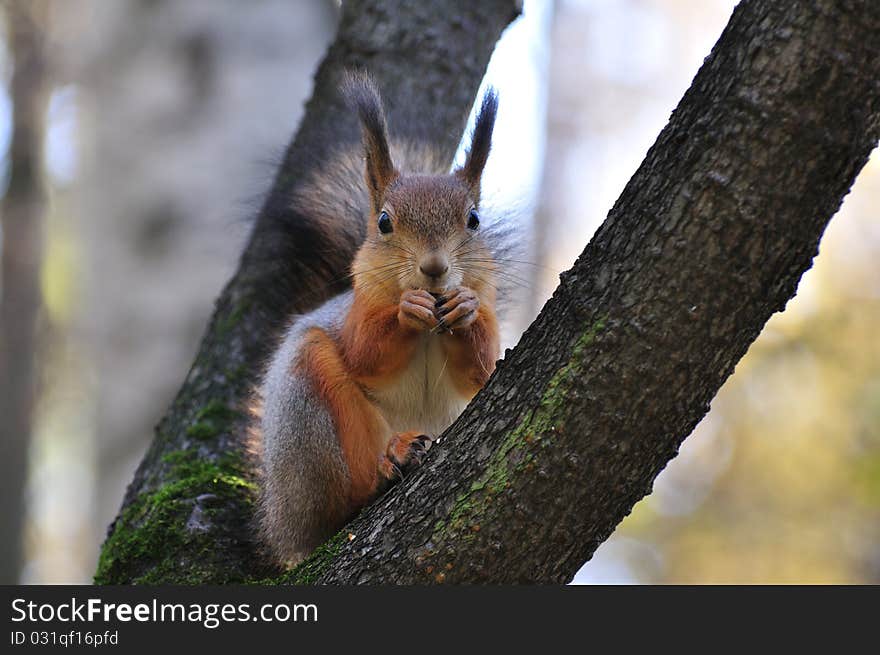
x,y
441,327
405,452
401,460
458,309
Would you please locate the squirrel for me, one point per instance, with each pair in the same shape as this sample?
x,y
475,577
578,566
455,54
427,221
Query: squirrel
x,y
358,388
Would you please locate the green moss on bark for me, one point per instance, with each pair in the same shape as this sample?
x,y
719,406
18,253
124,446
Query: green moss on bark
x,y
520,448
311,569
211,420
177,517
315,565
233,318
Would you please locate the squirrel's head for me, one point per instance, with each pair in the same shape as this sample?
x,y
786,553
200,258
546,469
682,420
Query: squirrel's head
x,y
424,231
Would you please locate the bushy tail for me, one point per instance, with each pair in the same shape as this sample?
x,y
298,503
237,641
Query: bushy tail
x,y
502,230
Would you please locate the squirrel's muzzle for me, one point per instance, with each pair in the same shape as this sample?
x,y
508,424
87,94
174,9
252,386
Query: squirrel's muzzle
x,y
434,265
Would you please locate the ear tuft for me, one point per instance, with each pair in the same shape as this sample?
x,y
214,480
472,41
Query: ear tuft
x,y
481,142
362,95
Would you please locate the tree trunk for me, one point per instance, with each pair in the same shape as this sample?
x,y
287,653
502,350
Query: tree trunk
x,y
22,255
186,515
708,239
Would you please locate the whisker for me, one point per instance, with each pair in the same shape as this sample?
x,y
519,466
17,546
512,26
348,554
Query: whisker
x,y
402,264
482,280
500,260
440,376
492,269
369,270
381,279
507,277
463,243
400,247
384,275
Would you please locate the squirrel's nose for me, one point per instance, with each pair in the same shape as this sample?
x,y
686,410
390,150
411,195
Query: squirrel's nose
x,y
434,265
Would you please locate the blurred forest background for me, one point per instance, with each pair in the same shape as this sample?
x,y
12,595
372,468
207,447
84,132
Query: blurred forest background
x,y
136,139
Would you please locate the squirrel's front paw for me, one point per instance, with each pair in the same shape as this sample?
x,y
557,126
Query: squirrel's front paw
x,y
456,308
405,451
416,310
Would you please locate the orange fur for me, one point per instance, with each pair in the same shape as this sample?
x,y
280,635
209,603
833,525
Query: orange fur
x,y
472,352
375,346
398,447
398,452
360,428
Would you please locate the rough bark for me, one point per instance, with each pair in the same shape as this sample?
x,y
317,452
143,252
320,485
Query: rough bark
x,y
22,254
708,239
186,514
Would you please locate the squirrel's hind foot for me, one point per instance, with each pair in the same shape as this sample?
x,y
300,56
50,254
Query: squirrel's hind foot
x,y
405,452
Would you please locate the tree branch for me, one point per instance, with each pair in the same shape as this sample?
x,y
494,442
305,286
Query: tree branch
x,y
709,238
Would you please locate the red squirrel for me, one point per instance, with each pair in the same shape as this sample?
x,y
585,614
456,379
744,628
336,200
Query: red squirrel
x,y
358,387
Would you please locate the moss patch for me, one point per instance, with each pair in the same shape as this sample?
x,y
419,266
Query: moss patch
x,y
155,524
519,448
311,569
213,419
228,322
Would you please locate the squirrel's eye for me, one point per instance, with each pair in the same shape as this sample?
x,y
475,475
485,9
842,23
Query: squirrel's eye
x,y
385,224
473,220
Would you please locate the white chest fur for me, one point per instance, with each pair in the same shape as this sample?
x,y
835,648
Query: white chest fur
x,y
423,396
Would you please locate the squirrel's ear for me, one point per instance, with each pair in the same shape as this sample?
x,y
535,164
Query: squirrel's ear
x,y
481,142
362,94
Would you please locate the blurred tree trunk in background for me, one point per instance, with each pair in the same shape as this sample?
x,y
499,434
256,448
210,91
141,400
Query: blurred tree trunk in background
x,y
565,113
182,107
21,235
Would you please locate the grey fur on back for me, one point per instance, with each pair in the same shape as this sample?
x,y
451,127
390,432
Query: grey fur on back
x,y
304,491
